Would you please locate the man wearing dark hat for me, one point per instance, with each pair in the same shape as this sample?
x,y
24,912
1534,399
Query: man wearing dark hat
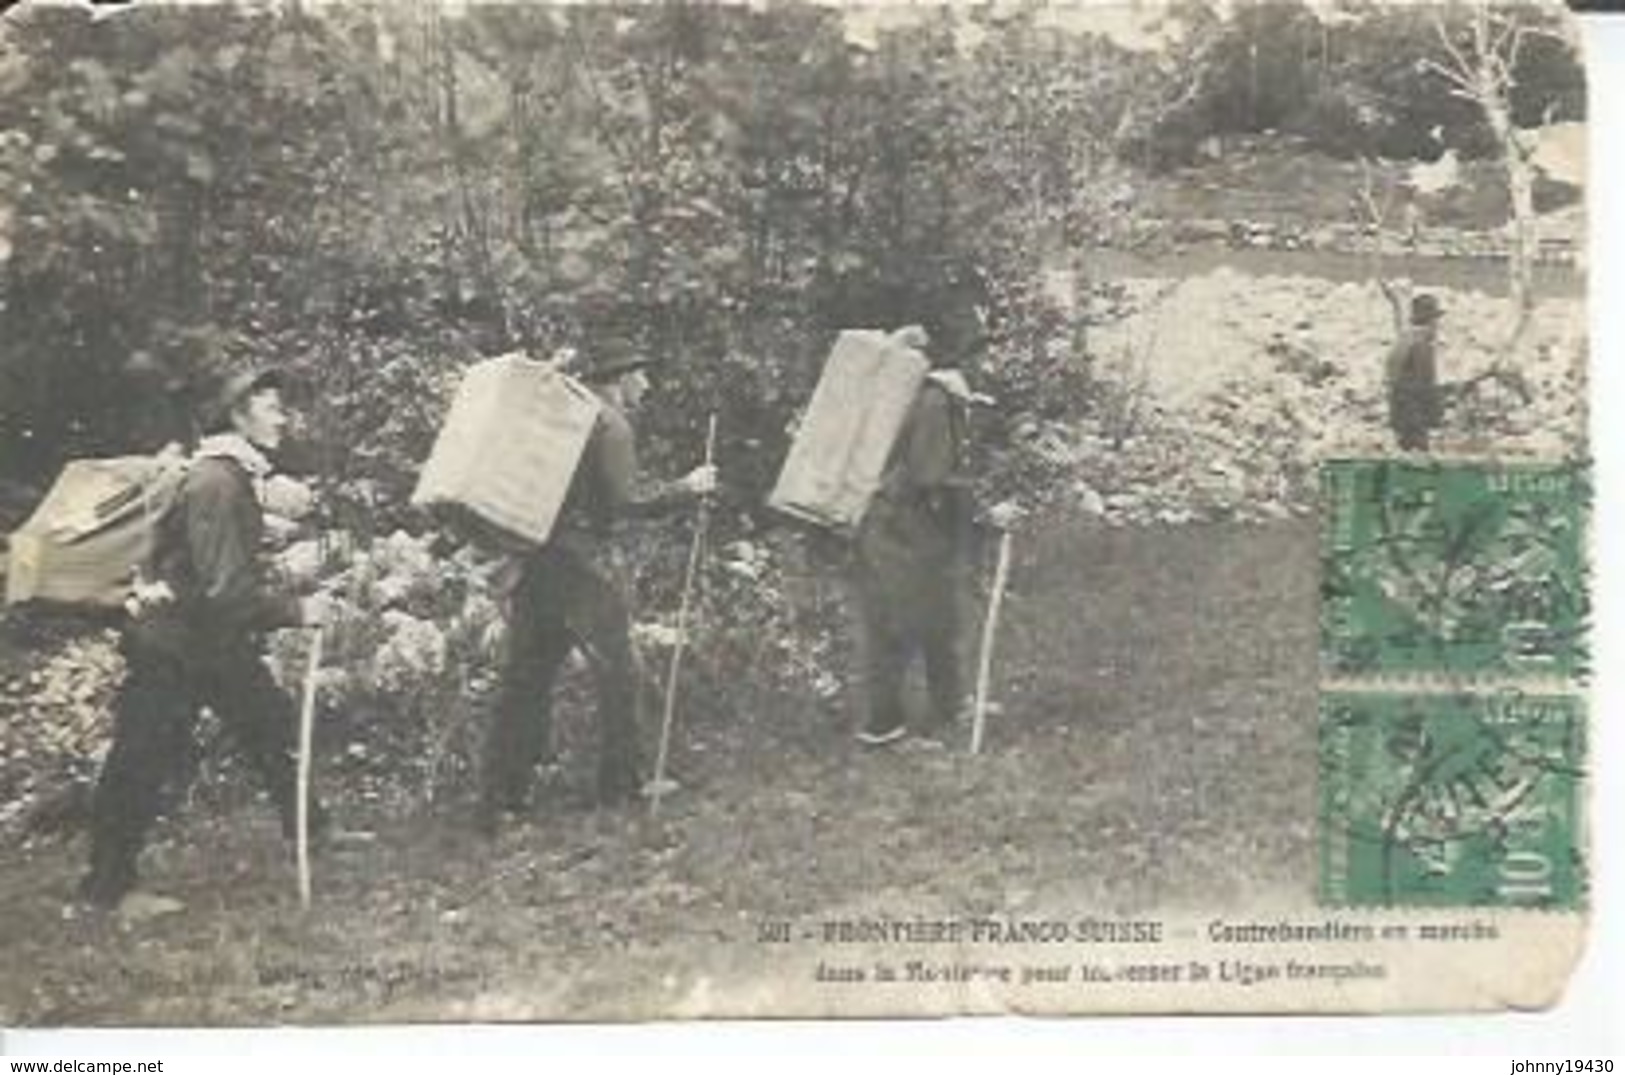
x,y
1415,404
196,638
913,548
565,600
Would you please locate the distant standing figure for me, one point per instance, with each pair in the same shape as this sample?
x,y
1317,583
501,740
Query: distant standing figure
x,y
1415,403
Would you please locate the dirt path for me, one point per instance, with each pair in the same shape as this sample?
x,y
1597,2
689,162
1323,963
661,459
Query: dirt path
x,y
1156,751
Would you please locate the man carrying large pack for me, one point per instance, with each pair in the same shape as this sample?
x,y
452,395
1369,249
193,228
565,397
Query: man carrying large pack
x,y
878,457
913,553
196,638
565,600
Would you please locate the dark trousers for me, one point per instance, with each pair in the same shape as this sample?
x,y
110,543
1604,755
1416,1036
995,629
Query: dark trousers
x,y
911,588
1412,438
890,644
154,715
910,582
561,603
1414,412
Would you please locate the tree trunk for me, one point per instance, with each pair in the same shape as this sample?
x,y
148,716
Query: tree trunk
x,y
524,139
1489,80
1525,242
1492,98
476,247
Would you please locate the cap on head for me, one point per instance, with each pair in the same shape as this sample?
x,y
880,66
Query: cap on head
x,y
614,357
1425,309
958,334
238,387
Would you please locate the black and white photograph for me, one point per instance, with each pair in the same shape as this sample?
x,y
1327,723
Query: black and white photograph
x,y
549,512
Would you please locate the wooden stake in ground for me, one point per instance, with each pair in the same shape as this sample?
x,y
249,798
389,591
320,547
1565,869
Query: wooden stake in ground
x,y
990,628
307,718
660,785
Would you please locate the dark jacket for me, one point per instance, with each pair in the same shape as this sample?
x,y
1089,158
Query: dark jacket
x,y
918,525
1415,404
208,550
607,486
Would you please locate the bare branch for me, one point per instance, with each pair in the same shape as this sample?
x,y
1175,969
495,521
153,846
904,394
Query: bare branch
x,y
1506,42
1519,35
1465,69
1462,85
1172,97
1548,32
1376,215
1396,292
1481,30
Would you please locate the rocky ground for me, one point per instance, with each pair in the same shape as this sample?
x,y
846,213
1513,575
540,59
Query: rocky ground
x,y
1228,389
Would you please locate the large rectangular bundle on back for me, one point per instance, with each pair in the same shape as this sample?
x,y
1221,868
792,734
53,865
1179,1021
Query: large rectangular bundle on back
x,y
93,532
510,446
846,436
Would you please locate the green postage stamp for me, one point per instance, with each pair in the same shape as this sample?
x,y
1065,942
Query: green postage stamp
x,y
1452,745
1453,568
1451,799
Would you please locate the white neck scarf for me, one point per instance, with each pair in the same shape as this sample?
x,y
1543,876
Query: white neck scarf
x,y
236,446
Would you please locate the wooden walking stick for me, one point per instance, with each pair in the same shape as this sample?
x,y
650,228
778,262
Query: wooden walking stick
x,y
307,717
660,785
990,627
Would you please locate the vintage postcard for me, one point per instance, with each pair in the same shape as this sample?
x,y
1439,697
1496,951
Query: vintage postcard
x,y
554,512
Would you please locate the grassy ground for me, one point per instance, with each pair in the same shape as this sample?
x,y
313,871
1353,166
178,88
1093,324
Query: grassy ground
x,y
1155,752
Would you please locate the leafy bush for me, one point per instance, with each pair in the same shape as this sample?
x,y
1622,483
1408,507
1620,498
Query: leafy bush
x,y
374,196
